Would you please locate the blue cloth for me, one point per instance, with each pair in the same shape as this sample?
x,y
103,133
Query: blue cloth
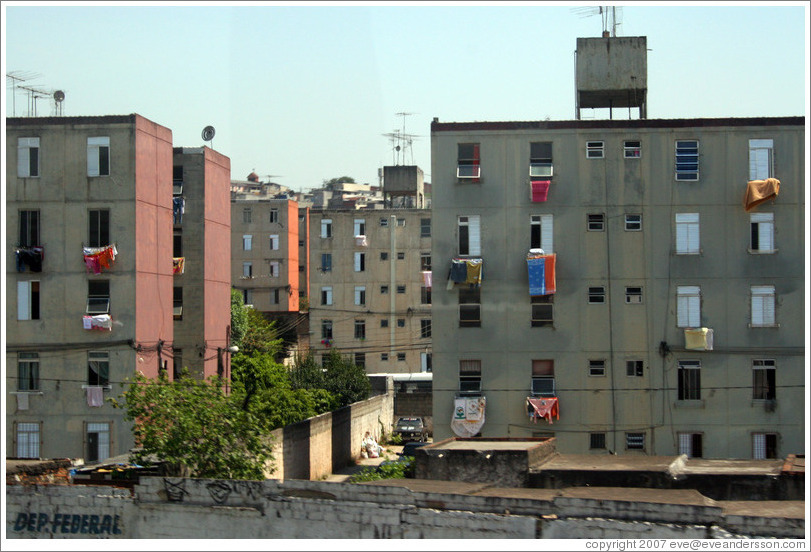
x,y
178,206
537,276
458,271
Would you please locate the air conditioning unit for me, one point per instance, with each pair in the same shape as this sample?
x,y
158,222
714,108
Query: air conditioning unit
x,y
540,169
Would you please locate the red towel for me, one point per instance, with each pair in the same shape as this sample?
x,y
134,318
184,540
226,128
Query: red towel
x,y
540,189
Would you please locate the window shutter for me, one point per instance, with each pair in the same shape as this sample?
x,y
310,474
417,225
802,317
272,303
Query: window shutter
x,y
760,156
689,307
687,233
23,300
23,156
763,305
765,230
474,233
357,262
547,243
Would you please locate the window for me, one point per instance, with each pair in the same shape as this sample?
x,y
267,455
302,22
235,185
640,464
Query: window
x,y
384,222
596,222
177,243
247,240
425,328
401,322
634,368
764,446
763,306
596,441
98,297
28,300
177,364
595,150
326,295
98,156
761,159
247,296
401,357
401,222
425,262
28,440
689,376
99,227
596,295
98,368
688,306
425,295
274,216
274,242
686,159
687,234
633,294
540,234
384,357
425,228
247,270
542,311
469,235
29,229
27,157
326,329
426,362
690,444
763,380
468,162
326,262
177,180
384,255
632,149
470,377
360,295
360,227
274,296
246,215
360,329
762,233
470,307
360,360
633,222
98,442
177,303
360,261
28,371
326,228
543,378
384,290
635,441
384,322
273,268
401,289
540,159
597,368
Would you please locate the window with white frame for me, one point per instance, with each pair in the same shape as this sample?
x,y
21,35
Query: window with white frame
x,y
247,297
597,367
98,156
687,160
426,362
764,446
425,262
28,371
326,262
633,222
326,295
470,377
274,242
691,445
689,380
326,228
595,149
468,162
360,329
633,294
687,234
98,297
27,157
541,232
540,159
360,227
401,222
632,149
360,261
360,295
28,300
596,222
635,441
764,379
688,306
28,439
98,368
273,267
98,441
763,313
469,230
247,242
247,270
761,159
761,236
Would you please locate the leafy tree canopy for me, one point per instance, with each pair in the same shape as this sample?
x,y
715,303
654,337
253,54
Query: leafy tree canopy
x,y
332,182
239,318
345,379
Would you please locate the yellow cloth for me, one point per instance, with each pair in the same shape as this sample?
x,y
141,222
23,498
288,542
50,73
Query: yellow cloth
x,y
474,272
758,191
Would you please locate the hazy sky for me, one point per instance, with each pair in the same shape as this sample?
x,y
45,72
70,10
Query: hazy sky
x,y
307,92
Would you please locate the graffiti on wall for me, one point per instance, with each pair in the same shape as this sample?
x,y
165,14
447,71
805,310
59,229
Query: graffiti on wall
x,y
85,524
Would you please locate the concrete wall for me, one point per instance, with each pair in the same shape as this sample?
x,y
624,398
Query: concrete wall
x,y
199,509
314,448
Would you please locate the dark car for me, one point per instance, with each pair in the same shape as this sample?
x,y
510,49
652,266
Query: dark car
x,y
411,429
410,447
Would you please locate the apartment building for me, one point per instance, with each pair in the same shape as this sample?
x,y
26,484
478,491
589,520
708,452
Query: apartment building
x,y
370,282
89,277
608,284
99,286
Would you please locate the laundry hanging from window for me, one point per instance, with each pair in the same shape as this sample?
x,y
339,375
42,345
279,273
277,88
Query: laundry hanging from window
x,y
543,408
178,265
541,272
178,208
759,191
97,322
466,271
30,257
539,190
98,258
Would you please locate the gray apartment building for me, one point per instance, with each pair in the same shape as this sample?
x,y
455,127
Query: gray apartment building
x,y
610,283
370,287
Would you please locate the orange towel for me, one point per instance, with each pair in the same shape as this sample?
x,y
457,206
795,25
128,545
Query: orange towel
x,y
758,191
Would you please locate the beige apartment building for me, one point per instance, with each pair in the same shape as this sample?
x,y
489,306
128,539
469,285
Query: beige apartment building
x,y
667,315
370,287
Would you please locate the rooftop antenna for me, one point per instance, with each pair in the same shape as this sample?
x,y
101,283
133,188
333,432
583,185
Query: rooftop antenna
x,y
208,135
611,17
34,94
16,78
59,97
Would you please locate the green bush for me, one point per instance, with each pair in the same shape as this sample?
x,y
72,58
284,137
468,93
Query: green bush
x,y
399,469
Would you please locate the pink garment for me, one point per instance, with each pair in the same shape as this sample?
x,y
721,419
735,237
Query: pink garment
x,y
540,189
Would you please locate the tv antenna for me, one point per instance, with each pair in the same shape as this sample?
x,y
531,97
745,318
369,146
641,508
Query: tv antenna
x,y
16,77
59,97
611,17
34,94
208,135
401,141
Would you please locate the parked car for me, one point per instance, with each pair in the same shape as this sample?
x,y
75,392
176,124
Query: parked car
x,y
411,428
410,447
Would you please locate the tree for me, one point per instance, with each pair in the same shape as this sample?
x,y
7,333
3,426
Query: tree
x,y
332,182
261,335
194,429
345,379
239,318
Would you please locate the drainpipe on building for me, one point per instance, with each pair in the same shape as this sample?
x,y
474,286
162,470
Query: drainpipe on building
x,y
392,283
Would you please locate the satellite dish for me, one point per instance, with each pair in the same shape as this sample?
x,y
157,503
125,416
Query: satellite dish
x,y
59,96
208,133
